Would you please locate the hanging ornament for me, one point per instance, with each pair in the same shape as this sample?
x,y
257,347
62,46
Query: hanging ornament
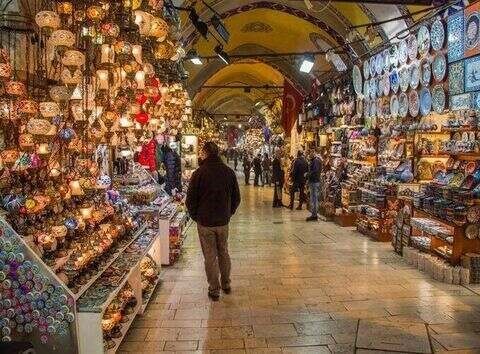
x,y
142,118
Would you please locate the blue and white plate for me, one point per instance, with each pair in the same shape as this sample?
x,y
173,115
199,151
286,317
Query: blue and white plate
x,y
404,74
403,105
357,80
371,65
426,71
366,89
366,70
437,34
393,51
472,30
386,85
412,47
439,67
414,75
438,99
386,60
423,39
373,87
425,101
402,52
378,63
394,81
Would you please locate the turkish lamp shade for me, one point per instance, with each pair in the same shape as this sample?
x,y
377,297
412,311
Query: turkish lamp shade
x,y
65,8
86,211
77,112
144,22
5,71
140,79
95,13
15,88
62,39
60,94
47,20
75,188
43,149
137,53
49,109
71,78
158,28
102,79
73,58
125,122
323,140
135,108
107,54
27,106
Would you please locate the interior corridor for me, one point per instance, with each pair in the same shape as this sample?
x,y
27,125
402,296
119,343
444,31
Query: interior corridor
x,y
304,288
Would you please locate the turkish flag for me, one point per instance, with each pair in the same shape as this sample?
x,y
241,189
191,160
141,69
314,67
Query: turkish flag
x,y
292,105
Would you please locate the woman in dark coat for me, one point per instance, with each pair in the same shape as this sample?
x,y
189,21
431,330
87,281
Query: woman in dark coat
x,y
278,179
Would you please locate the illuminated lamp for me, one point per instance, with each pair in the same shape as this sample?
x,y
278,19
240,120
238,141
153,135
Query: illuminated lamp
x,y
140,80
86,211
65,8
95,13
75,188
43,149
47,20
71,78
142,117
102,79
141,99
49,109
107,55
5,71
73,58
125,122
158,28
15,88
143,21
62,39
28,106
137,53
60,93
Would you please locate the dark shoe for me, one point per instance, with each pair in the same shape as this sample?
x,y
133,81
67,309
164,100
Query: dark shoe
x,y
312,218
214,297
227,290
299,207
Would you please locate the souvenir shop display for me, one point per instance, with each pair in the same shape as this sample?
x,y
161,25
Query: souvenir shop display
x,y
74,229
189,155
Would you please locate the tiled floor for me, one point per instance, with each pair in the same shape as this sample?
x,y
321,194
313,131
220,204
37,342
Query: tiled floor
x,y
305,288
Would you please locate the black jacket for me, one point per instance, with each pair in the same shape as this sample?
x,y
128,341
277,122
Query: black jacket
x,y
213,195
299,169
314,169
257,165
278,175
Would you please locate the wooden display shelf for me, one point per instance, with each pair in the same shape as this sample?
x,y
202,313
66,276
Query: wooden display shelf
x,y
377,235
345,219
460,246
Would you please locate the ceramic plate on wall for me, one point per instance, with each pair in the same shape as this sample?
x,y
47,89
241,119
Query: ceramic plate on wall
x,y
413,103
386,85
439,67
394,106
366,70
472,31
437,34
402,51
425,101
425,71
357,80
394,81
373,87
371,65
403,105
438,99
412,47
393,51
414,75
404,78
378,63
386,60
423,40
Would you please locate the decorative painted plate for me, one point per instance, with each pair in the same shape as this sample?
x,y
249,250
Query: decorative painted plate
x,y
437,34
386,85
380,109
378,63
412,47
373,87
413,103
386,60
366,70
403,105
423,39
366,89
414,75
373,108
402,51
472,30
439,67
425,101
394,80
455,36
394,106
371,65
456,78
425,71
438,99
404,78
357,80
393,51
359,106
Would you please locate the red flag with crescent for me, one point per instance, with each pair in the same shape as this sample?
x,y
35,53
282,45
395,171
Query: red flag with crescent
x,y
292,105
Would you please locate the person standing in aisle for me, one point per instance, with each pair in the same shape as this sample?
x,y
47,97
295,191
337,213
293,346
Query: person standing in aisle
x,y
213,197
278,178
314,170
257,169
266,166
247,166
235,159
298,171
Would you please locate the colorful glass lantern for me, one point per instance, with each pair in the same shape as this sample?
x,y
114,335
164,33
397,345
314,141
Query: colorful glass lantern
x,y
15,88
5,71
49,109
60,93
47,20
62,39
71,78
73,58
28,106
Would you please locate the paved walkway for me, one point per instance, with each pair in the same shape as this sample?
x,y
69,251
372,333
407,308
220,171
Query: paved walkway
x,y
304,288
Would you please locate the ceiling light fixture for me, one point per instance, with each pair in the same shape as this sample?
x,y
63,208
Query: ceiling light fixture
x,y
222,54
307,63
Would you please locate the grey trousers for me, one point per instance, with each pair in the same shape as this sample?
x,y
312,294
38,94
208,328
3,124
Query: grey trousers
x,y
214,242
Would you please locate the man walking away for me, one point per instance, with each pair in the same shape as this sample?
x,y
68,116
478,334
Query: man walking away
x,y
212,198
299,169
266,166
314,170
278,178
247,166
257,169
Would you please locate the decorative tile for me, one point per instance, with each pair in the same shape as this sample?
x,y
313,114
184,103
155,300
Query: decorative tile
x,y
476,100
472,74
472,30
460,102
456,78
455,39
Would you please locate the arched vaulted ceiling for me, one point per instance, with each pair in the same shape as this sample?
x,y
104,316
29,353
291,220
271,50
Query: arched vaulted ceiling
x,y
281,26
